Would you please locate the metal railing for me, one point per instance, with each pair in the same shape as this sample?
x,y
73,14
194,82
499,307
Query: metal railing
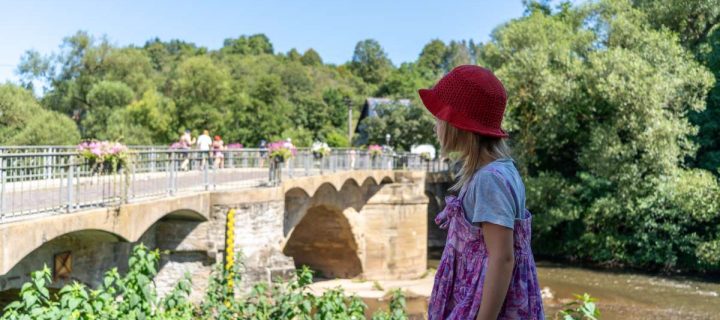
x,y
51,180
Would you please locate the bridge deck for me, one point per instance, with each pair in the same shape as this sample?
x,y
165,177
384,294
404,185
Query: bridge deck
x,y
36,183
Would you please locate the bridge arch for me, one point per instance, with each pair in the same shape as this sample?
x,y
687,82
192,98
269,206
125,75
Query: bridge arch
x,y
348,194
130,222
91,252
327,240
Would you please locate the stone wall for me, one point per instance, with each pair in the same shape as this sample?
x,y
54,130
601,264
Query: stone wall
x,y
258,234
396,228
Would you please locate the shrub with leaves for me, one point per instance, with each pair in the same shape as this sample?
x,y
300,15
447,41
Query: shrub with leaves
x,y
134,297
583,308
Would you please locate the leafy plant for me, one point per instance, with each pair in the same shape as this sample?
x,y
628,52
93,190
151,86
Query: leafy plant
x,y
583,308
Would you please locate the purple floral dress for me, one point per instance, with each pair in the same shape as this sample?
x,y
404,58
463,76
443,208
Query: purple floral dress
x,y
458,286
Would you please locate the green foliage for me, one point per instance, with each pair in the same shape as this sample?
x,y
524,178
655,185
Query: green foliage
x,y
311,58
599,125
145,121
133,297
583,308
407,125
370,62
104,98
24,122
397,308
252,45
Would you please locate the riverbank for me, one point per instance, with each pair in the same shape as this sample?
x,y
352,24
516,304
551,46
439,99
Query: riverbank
x,y
621,295
624,295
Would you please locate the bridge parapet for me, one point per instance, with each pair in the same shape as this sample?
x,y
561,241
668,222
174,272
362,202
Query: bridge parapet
x,y
55,180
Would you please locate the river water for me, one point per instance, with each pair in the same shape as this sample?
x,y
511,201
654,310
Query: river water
x,y
625,295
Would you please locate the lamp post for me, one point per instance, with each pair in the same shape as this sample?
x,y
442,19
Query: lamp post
x,y
348,102
387,139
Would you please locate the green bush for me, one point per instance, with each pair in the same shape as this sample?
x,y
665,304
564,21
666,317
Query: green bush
x,y
133,297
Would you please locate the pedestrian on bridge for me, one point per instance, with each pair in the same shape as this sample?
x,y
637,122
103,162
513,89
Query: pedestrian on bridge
x,y
487,270
204,142
186,141
218,146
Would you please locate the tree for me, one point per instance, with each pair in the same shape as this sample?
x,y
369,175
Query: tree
x,y
24,122
697,24
370,62
311,58
457,53
692,20
248,45
432,57
200,92
597,113
150,120
407,124
405,81
103,99
294,55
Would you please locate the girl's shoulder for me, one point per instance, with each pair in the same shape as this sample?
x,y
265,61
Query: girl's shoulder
x,y
499,172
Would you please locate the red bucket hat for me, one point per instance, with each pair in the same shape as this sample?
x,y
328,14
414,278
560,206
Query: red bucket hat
x,y
470,98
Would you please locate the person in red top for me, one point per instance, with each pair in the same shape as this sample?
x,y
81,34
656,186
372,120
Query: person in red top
x,y
218,146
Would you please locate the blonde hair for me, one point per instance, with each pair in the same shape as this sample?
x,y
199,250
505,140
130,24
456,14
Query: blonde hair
x,y
475,150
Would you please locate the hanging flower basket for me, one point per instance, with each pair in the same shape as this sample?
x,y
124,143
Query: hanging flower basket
x,y
320,150
104,156
375,150
281,151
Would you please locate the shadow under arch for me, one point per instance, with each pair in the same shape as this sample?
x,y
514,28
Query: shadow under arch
x,y
435,236
324,241
92,253
182,214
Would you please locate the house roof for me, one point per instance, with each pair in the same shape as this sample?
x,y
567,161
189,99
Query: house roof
x,y
368,109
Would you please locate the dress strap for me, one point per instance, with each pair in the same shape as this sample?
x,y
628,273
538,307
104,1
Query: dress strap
x,y
463,192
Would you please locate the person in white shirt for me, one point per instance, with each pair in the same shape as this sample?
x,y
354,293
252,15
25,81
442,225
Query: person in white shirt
x,y
204,142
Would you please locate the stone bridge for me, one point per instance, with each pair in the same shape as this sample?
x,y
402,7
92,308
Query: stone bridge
x,y
371,224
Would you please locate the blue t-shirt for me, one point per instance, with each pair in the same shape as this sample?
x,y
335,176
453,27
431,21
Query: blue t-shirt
x,y
495,194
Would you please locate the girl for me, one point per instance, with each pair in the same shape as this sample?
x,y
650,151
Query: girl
x,y
487,269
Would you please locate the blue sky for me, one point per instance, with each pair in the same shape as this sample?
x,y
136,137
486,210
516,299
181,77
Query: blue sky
x,y
331,27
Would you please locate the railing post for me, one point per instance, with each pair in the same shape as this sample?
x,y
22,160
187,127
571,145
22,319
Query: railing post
x,y
206,169
308,161
71,174
171,172
2,185
153,156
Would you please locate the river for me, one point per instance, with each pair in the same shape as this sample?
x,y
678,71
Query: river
x,y
627,295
